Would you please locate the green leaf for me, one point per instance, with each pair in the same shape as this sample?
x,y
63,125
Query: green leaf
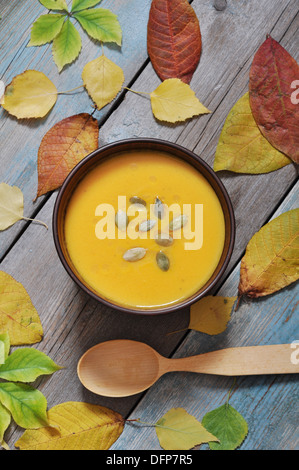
x,y
45,29
26,364
100,24
27,405
177,430
5,419
4,347
67,45
54,4
228,425
79,5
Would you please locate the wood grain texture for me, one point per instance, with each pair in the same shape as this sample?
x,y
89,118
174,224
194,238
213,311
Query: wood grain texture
x,y
72,321
266,402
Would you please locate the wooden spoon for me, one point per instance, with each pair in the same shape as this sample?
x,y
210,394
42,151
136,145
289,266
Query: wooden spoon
x,y
122,368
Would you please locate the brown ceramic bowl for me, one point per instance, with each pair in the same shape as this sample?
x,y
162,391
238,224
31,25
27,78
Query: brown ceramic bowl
x,y
109,151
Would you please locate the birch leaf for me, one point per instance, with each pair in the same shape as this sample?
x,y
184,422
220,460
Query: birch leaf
x,y
228,425
75,426
17,314
66,45
62,147
30,95
12,206
242,148
174,101
178,430
271,260
211,314
103,80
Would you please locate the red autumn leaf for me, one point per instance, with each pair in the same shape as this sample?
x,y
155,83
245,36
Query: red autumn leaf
x,y
270,87
65,145
173,39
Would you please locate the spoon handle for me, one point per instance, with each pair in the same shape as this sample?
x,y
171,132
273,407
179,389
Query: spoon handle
x,y
252,360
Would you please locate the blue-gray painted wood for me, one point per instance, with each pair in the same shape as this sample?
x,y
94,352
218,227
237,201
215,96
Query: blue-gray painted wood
x,y
72,321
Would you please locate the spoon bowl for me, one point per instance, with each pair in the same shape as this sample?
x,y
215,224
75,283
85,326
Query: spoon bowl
x,y
111,369
121,368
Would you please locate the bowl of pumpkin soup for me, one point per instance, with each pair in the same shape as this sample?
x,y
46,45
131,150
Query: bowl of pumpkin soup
x,y
144,226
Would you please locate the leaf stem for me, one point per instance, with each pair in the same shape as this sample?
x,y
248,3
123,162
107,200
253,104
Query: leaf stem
x,y
158,426
230,391
36,221
137,92
69,91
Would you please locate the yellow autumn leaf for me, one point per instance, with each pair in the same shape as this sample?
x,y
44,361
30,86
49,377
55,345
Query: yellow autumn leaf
x,y
103,80
178,430
75,426
271,260
211,314
12,206
174,101
18,316
242,148
30,95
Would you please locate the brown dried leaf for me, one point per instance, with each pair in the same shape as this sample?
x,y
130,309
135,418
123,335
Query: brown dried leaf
x,y
63,147
173,39
270,87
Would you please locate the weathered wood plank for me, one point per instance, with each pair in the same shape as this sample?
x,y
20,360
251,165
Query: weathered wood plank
x,y
19,155
267,403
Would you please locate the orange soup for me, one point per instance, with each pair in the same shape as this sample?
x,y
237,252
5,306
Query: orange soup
x,y
144,229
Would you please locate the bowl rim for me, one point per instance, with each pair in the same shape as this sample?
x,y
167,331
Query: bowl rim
x,y
168,146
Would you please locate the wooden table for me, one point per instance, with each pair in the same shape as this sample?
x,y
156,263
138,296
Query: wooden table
x,y
72,321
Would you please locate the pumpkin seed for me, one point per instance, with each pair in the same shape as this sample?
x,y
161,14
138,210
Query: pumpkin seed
x,y
178,222
134,254
163,239
162,261
121,220
159,208
138,207
147,225
137,200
